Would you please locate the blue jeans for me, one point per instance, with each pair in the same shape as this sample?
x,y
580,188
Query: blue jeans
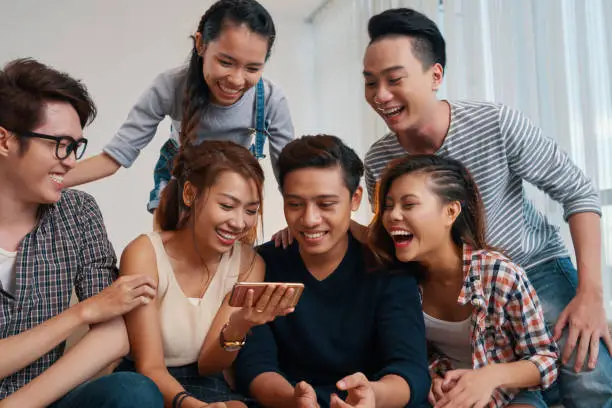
x,y
118,390
555,283
162,173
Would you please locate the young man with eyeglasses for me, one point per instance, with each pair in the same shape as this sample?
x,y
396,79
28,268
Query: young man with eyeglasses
x,y
51,242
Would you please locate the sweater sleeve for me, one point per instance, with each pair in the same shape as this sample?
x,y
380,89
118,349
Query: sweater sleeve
x,y
141,124
540,161
259,355
401,337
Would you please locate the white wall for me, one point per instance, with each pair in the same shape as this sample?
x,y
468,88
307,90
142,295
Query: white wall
x,y
117,47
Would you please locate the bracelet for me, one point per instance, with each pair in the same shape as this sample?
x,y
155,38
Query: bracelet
x,y
178,399
230,346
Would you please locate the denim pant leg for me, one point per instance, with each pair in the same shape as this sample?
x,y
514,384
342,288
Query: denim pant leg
x,y
210,388
555,282
162,173
117,390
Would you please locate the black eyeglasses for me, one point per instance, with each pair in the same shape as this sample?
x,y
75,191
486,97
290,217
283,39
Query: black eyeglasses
x,y
64,145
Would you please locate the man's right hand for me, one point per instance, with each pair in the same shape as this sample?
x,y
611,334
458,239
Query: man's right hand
x,y
360,393
124,295
305,396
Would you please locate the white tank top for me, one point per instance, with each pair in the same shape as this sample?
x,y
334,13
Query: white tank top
x,y
7,270
185,321
451,339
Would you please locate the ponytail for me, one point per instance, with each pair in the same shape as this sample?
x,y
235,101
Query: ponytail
x,y
469,226
168,213
195,99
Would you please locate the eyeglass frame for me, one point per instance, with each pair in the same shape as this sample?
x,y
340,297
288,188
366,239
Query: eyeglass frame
x,y
73,145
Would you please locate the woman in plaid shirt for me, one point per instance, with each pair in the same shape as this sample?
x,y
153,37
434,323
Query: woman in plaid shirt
x,y
489,345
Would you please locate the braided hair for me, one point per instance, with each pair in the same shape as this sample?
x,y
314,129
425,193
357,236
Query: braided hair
x,y
197,93
451,182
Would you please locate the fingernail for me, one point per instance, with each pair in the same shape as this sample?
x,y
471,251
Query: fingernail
x,y
341,384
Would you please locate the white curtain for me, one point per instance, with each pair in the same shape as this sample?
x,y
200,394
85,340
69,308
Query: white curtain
x,y
547,58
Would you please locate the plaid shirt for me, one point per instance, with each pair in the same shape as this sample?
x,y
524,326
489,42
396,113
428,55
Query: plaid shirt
x,y
68,249
507,320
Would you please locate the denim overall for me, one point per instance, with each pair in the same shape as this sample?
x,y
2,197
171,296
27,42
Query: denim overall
x,y
163,169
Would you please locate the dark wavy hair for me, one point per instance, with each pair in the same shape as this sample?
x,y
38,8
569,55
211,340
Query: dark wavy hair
x,y
321,151
26,85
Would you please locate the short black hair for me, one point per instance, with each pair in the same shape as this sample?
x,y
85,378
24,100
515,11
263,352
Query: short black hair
x,y
321,151
428,43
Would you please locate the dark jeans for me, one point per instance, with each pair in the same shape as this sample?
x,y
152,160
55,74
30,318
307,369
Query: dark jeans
x,y
118,390
211,388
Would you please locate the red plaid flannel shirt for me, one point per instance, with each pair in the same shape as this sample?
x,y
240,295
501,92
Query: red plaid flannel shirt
x,y
514,330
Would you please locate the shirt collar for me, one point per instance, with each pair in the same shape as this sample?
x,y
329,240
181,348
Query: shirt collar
x,y
471,292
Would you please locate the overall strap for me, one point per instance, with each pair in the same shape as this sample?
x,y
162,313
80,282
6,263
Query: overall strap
x,y
261,127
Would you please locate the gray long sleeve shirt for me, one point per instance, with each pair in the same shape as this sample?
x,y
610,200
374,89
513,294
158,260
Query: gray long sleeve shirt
x,y
165,98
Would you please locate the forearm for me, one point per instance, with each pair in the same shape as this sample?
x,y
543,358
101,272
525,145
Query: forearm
x,y
518,374
102,345
19,351
91,169
585,229
272,390
360,232
391,391
213,358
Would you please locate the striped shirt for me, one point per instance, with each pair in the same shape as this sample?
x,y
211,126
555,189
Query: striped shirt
x,y
501,148
507,321
68,249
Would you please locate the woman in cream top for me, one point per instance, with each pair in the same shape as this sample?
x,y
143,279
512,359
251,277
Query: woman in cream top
x,y
185,321
189,334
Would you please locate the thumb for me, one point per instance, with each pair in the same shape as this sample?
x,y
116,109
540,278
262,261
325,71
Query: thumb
x,y
352,381
336,402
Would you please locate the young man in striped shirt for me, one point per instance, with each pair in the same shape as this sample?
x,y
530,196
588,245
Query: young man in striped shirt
x,y
403,68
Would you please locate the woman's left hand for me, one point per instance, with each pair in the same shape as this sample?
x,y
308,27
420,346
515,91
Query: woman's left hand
x,y
472,389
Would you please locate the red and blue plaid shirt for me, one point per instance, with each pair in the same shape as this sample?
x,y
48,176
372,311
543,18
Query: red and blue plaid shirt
x,y
507,320
68,249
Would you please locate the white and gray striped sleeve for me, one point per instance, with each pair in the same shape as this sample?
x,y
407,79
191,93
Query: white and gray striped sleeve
x,y
541,162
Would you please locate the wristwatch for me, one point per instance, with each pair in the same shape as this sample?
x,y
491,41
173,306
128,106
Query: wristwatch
x,y
230,345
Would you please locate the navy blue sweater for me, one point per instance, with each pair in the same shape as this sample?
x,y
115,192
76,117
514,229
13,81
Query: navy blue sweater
x,y
354,320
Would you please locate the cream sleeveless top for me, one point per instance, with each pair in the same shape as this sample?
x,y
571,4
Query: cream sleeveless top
x,y
185,321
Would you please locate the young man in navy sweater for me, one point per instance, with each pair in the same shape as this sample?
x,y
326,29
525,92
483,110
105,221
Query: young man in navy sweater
x,y
357,335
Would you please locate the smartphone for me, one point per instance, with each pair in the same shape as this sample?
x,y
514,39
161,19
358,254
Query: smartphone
x,y
239,292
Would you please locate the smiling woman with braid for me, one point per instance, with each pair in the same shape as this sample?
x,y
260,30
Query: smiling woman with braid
x,y
219,95
488,339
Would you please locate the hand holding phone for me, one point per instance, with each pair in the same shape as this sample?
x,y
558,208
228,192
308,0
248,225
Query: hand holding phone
x,y
262,302
239,292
